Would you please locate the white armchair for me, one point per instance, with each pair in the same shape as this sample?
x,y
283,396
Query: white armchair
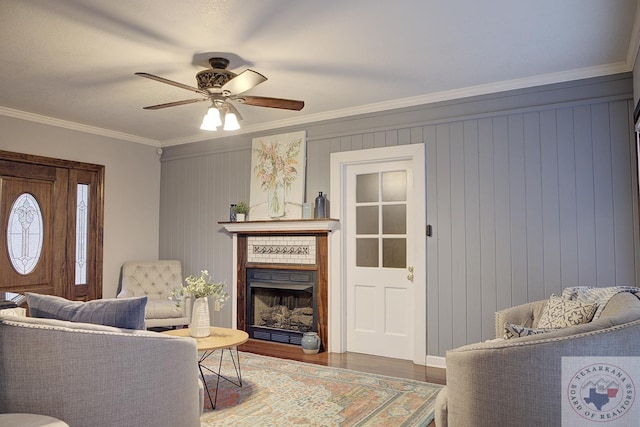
x,y
156,280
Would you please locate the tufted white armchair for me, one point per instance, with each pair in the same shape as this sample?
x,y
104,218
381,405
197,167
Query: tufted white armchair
x,y
156,280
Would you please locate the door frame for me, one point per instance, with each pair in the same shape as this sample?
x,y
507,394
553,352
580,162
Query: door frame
x,y
71,173
337,243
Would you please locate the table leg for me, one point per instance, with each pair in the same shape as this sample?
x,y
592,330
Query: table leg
x,y
204,383
236,366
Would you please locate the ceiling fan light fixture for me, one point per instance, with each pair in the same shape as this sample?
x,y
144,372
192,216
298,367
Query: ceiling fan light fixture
x,y
231,121
211,120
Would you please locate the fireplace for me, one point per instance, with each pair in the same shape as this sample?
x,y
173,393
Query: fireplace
x,y
281,279
281,304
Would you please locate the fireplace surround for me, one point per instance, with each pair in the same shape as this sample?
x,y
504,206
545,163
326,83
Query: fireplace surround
x,y
265,252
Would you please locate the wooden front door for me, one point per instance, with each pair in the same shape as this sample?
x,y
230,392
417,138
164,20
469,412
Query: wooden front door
x,y
50,226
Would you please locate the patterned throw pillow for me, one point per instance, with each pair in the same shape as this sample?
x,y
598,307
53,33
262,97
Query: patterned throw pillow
x,y
516,331
560,313
127,313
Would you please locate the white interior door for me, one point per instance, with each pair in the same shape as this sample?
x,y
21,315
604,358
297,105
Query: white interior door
x,y
379,261
378,310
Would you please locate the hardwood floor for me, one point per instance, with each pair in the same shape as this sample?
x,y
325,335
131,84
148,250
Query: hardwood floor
x,y
354,361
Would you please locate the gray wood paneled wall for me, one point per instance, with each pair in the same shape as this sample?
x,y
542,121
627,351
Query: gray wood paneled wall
x,y
528,192
526,204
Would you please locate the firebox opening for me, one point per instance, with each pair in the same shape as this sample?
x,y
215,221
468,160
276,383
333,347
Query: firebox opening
x,y
281,305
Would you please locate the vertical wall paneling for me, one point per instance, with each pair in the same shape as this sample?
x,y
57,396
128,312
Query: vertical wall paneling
x,y
517,207
313,169
458,199
584,194
222,190
603,195
433,294
473,285
368,141
391,138
181,242
533,207
550,205
345,143
502,212
356,142
196,194
567,196
210,227
168,227
379,139
334,147
417,135
522,203
444,233
165,214
404,136
624,188
488,226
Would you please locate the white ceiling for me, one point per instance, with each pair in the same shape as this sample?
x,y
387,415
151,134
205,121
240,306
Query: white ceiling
x,y
71,62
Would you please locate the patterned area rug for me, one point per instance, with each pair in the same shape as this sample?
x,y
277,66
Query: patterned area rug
x,y
279,392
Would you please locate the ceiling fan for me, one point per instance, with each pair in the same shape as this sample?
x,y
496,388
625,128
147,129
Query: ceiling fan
x,y
220,86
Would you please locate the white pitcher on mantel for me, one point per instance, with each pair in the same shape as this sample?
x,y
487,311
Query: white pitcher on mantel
x,y
200,325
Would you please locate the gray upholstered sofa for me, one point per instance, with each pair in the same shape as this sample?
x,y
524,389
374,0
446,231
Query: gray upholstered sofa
x,y
98,376
517,382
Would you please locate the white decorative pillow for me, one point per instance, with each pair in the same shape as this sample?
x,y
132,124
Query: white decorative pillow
x,y
14,312
560,313
516,331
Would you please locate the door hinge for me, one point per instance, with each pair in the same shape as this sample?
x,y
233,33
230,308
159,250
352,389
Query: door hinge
x,y
429,230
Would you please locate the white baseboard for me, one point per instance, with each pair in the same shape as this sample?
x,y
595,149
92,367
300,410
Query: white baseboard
x,y
436,362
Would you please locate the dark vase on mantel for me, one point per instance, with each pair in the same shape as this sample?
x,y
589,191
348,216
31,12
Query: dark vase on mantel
x,y
320,208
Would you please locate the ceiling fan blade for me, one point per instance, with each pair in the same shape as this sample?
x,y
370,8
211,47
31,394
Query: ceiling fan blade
x,y
262,101
174,104
243,82
172,83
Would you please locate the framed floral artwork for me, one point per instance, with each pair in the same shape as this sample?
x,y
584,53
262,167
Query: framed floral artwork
x,y
277,176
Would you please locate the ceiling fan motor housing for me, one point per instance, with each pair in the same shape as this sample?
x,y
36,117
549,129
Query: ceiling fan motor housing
x,y
216,76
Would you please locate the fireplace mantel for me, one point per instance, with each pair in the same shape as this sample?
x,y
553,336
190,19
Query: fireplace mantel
x,y
296,225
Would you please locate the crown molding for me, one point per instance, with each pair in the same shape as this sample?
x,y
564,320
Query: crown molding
x,y
515,84
51,121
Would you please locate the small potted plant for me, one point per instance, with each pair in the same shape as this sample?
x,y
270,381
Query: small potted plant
x,y
241,209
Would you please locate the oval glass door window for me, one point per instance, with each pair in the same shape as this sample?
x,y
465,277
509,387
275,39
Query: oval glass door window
x,y
25,234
